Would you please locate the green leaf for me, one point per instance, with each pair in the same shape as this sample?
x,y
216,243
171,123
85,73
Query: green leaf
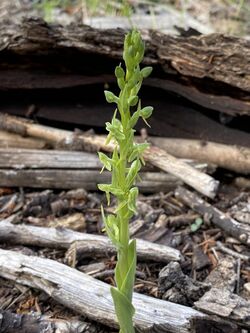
x,y
137,151
133,171
133,100
120,206
115,128
112,229
146,71
133,194
119,72
105,188
197,224
135,116
124,311
146,112
118,275
106,161
128,283
110,97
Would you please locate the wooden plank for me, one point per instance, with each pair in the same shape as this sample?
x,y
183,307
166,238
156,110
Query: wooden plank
x,y
91,298
90,244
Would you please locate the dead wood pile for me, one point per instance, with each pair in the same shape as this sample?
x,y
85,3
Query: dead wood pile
x,y
193,251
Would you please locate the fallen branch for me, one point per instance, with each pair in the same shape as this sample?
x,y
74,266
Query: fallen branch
x,y
67,169
151,182
23,323
229,157
91,298
221,220
89,244
203,183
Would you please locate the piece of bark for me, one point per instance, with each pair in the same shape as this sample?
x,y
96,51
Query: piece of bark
x,y
155,156
88,244
199,259
179,288
233,158
74,221
225,304
223,276
220,219
31,323
92,298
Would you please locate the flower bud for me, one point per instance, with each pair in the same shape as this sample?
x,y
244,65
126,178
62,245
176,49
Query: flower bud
x,y
146,71
146,112
110,97
133,100
119,72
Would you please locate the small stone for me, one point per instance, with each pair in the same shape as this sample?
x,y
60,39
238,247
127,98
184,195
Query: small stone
x,y
247,287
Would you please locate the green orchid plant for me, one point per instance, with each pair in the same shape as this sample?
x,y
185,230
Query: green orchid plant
x,y
124,165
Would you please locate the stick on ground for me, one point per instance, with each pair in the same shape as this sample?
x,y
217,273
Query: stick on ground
x,y
89,244
220,219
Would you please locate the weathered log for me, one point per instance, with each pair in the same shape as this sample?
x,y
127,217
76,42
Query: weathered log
x,y
224,303
90,56
155,156
23,323
8,140
66,170
206,63
17,159
151,182
236,229
229,157
48,159
235,158
89,244
91,298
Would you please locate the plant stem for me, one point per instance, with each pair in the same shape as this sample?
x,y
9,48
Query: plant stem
x,y
125,165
